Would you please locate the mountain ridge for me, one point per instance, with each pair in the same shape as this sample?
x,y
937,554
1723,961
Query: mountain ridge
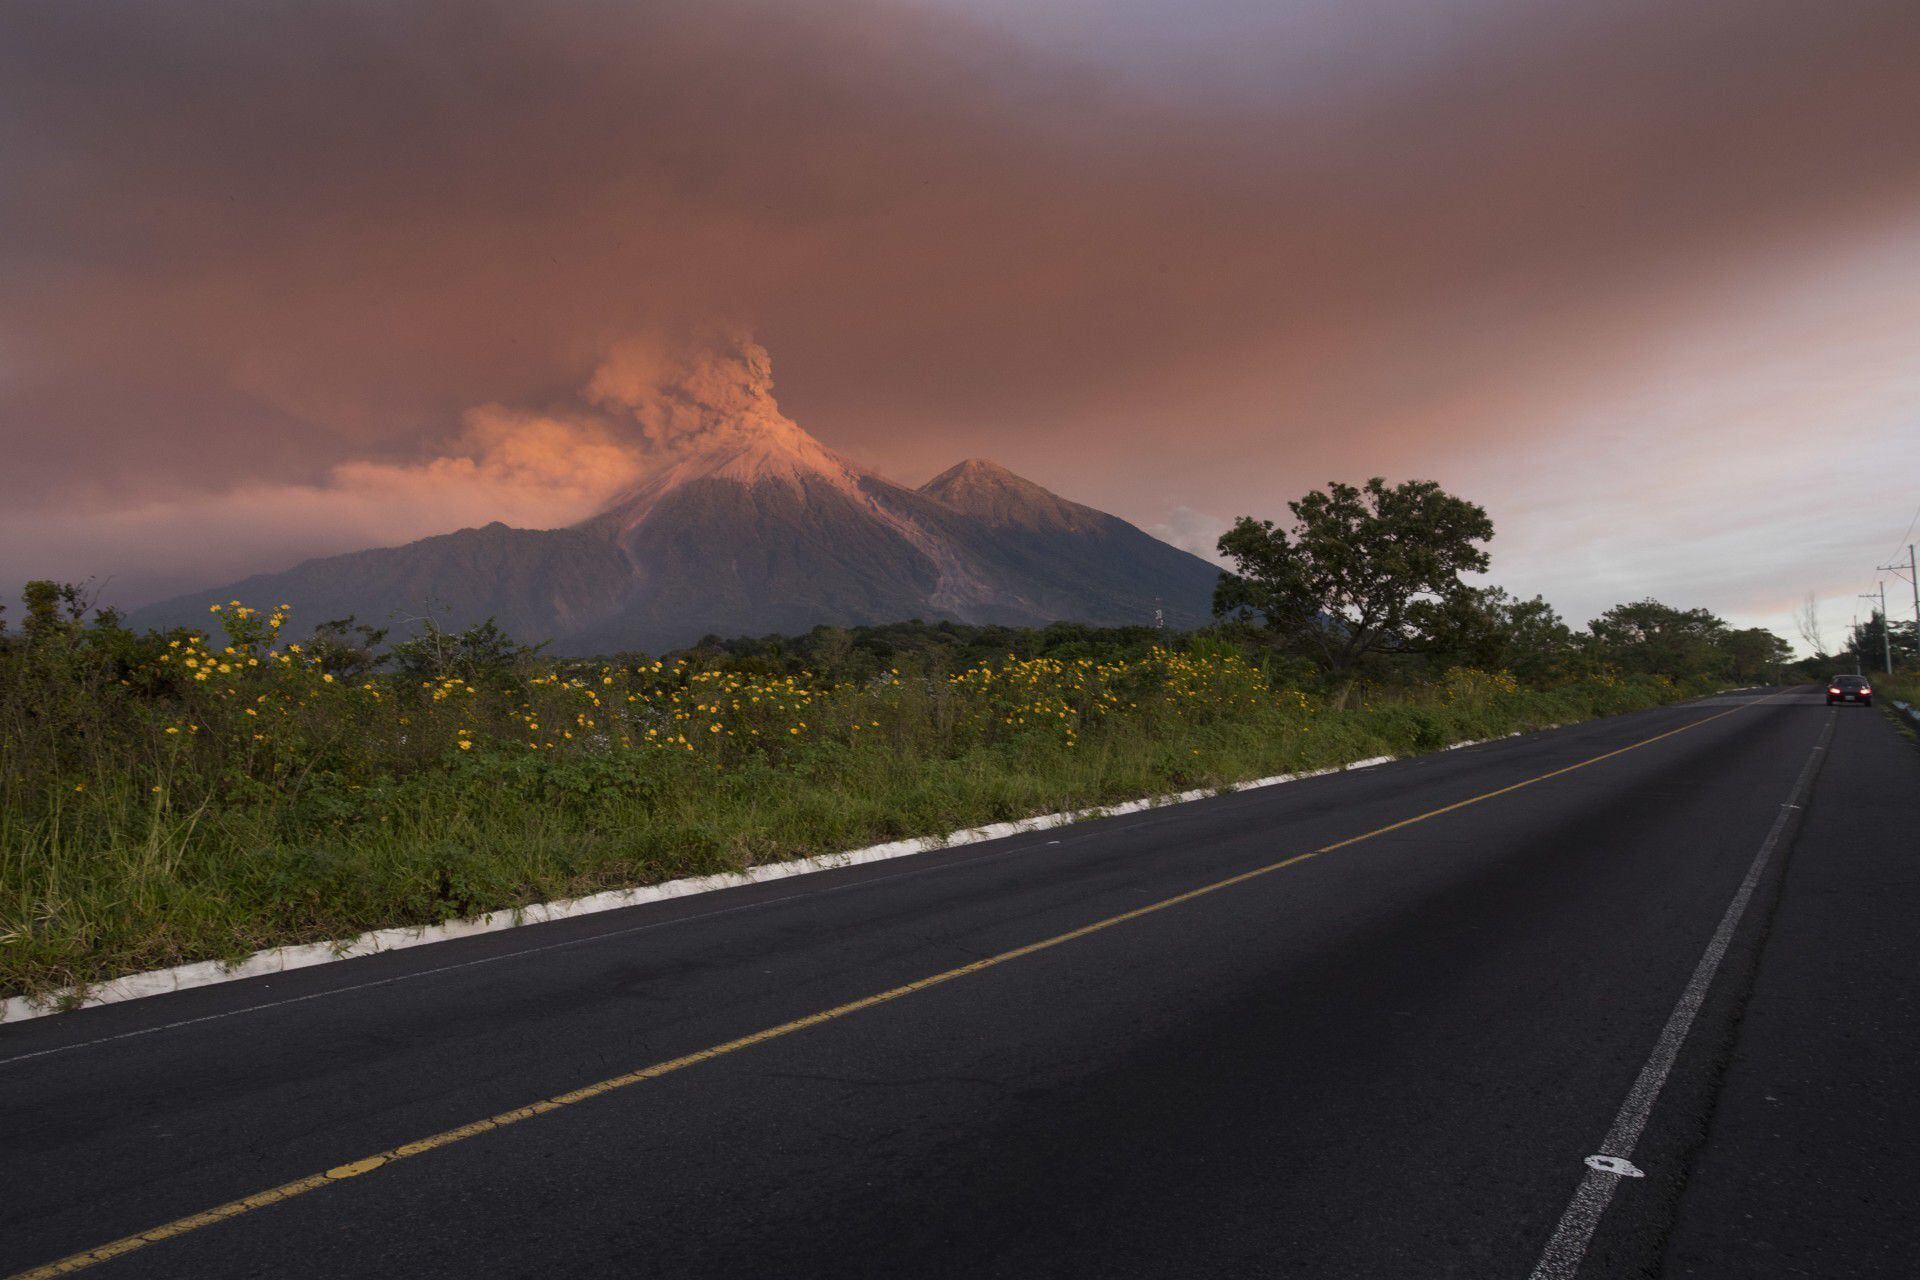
x,y
743,523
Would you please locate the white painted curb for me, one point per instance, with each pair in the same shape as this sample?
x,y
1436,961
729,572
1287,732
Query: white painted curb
x,y
279,959
206,973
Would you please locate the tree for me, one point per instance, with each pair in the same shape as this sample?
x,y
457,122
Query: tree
x,y
1868,643
1808,622
1755,655
1491,630
1342,582
53,608
1658,639
482,651
346,647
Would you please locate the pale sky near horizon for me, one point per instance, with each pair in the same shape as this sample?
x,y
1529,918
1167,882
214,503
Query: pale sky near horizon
x,y
1643,279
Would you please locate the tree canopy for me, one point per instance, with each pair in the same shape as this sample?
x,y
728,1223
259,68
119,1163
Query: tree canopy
x,y
1493,631
1344,580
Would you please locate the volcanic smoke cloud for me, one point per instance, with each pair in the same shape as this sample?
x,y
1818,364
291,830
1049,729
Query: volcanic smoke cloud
x,y
690,396
649,404
289,279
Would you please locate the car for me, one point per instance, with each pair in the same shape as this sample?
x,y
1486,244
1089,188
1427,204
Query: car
x,y
1849,689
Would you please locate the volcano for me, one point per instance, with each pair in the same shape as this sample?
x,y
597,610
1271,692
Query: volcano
x,y
743,523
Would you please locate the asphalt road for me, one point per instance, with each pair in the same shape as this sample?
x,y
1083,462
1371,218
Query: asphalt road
x,y
1389,1058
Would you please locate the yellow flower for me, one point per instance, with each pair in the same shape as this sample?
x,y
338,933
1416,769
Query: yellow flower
x,y
465,745
172,729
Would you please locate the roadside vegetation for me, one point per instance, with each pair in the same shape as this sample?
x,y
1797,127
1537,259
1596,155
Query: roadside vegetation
x,y
1902,686
167,797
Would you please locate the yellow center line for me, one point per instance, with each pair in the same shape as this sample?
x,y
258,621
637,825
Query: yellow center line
x,y
380,1160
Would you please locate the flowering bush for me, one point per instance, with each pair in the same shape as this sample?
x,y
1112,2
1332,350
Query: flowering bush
x,y
191,795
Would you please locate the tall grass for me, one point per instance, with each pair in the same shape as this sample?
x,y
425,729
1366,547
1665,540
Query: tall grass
x,y
167,800
1902,686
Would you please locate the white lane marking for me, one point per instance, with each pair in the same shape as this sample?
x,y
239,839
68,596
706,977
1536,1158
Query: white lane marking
x,y
1616,1166
1571,1236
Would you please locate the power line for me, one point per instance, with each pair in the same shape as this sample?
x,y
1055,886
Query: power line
x,y
1908,534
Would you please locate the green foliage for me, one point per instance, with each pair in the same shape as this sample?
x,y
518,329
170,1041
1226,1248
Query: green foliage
x,y
1870,643
1654,638
347,647
481,652
1344,581
866,652
54,609
1493,631
173,797
1650,636
1367,583
1753,655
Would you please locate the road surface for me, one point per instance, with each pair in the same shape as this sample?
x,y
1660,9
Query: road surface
x,y
1166,1044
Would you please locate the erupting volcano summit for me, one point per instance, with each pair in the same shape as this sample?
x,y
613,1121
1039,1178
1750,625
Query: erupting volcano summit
x,y
743,523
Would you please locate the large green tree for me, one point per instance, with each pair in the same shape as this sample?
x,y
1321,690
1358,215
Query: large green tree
x,y
1658,639
1754,655
1343,580
1868,643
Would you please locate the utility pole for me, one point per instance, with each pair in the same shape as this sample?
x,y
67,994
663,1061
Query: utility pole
x,y
1912,576
1886,637
1886,629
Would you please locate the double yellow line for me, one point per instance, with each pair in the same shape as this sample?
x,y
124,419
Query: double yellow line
x,y
382,1159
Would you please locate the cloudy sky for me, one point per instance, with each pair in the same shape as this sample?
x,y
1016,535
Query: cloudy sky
x,y
1643,278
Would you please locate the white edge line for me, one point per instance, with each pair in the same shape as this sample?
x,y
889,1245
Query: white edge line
x,y
1567,1248
206,973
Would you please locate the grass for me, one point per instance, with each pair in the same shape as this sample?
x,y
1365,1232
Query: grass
x,y
1901,687
199,800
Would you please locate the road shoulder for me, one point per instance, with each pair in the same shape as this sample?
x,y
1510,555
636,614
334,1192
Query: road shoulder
x,y
1808,1170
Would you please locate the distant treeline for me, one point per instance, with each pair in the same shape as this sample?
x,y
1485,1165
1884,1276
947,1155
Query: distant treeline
x,y
1365,587
1484,629
1487,630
